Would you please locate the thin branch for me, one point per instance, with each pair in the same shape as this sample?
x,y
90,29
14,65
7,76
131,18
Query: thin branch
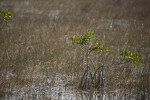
x,y
100,78
83,78
96,72
82,49
116,64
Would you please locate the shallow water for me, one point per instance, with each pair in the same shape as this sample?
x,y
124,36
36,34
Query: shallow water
x,y
43,89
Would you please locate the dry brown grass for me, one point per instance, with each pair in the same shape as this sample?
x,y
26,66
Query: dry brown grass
x,y
34,42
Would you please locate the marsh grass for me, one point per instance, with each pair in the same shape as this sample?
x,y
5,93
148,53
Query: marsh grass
x,y
34,44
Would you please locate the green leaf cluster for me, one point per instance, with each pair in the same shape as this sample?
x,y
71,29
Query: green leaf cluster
x,y
83,40
6,15
131,57
98,47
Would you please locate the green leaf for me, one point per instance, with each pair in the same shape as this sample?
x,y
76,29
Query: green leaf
x,y
128,53
136,63
74,37
1,11
9,14
6,15
132,57
106,50
111,25
138,54
131,54
97,42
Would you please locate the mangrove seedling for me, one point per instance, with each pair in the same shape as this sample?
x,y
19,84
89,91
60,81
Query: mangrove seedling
x,y
94,76
5,16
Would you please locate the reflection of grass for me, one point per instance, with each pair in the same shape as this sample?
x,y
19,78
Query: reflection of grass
x,y
32,45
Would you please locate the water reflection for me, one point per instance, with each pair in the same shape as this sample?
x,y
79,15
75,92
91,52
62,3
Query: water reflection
x,y
44,88
44,91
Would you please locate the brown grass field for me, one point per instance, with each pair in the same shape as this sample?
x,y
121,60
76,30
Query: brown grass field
x,y
35,44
